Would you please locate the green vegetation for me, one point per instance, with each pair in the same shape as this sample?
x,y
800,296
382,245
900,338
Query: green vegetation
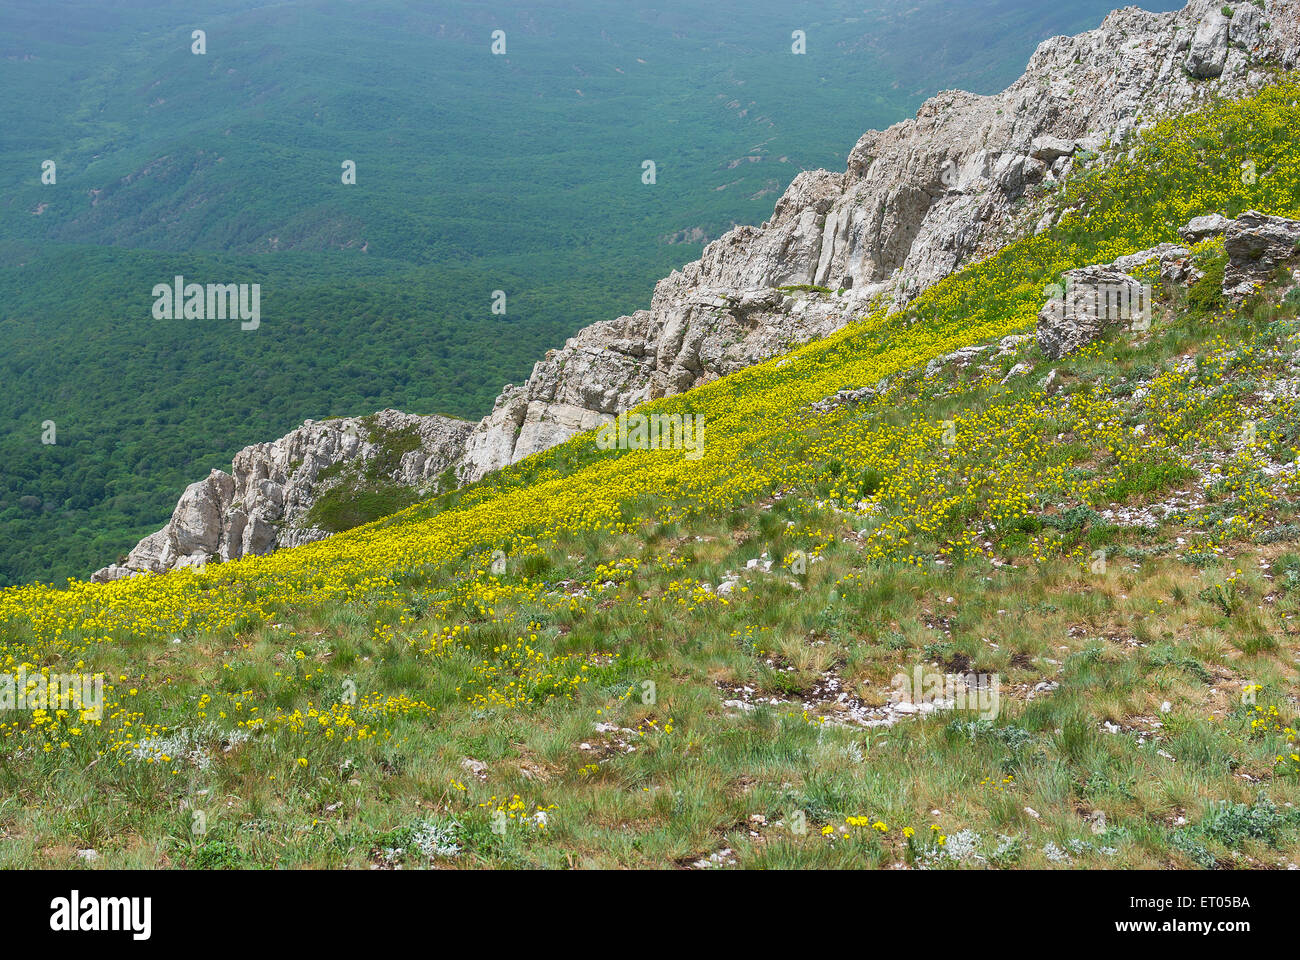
x,y
1206,294
350,504
351,493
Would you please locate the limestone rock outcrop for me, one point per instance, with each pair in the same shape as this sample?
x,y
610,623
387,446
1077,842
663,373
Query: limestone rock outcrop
x,y
1209,47
265,501
1102,296
1095,298
1091,300
1202,228
914,203
1256,246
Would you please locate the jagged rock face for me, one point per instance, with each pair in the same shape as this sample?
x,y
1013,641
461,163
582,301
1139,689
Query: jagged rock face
x,y
915,202
263,504
689,336
1209,49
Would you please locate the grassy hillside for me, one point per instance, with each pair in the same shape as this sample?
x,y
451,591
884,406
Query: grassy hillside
x,y
475,173
385,697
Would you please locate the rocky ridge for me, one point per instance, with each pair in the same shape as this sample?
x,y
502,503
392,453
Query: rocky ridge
x,y
915,202
265,502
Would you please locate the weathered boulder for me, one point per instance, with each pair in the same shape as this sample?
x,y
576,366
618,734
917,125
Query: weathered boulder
x,y
1164,253
1017,370
113,572
1209,49
1049,149
964,357
1256,246
1011,345
1093,299
1088,302
196,522
844,398
1248,26
1202,228
959,359
1097,297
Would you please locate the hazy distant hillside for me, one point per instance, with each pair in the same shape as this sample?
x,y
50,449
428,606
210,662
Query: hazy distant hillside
x,y
520,172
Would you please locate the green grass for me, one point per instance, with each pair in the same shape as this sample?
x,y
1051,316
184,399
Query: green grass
x,y
346,505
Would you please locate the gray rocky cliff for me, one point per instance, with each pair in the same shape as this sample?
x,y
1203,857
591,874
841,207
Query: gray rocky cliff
x,y
265,501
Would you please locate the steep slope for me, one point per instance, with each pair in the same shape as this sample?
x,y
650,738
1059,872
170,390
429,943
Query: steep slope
x,y
916,202
910,609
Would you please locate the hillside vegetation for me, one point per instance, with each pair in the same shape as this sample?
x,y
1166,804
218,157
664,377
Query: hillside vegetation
x,y
588,660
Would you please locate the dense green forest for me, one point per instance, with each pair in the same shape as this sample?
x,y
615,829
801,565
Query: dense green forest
x,y
475,172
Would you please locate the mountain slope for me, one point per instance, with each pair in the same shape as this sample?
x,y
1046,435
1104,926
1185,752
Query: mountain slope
x,y
476,173
635,657
915,201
